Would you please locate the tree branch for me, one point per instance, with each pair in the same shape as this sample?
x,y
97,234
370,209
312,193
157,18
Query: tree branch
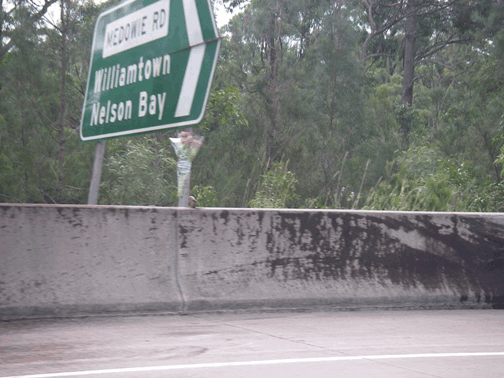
x,y
431,50
395,18
377,55
34,18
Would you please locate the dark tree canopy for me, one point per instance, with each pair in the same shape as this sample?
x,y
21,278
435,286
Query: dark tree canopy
x,y
370,104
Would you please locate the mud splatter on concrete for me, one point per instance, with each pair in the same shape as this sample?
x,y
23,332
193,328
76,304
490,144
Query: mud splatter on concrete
x,y
72,258
451,258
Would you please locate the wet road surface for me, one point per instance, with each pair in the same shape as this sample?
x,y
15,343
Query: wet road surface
x,y
445,344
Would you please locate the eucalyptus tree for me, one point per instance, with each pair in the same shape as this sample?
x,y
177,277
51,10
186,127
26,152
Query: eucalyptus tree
x,y
423,28
268,50
19,20
42,90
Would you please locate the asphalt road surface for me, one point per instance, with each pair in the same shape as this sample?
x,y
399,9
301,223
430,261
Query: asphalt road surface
x,y
413,344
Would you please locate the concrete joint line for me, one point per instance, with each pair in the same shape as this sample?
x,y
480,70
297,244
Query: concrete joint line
x,y
276,336
183,308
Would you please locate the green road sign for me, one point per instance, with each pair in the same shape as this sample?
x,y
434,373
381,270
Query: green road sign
x,y
152,64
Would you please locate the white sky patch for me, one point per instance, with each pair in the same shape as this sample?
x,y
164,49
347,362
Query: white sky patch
x,y
222,17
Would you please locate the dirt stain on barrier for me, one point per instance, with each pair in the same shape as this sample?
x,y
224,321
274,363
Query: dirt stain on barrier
x,y
339,246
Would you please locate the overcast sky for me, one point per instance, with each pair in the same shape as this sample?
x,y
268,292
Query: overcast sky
x,y
221,16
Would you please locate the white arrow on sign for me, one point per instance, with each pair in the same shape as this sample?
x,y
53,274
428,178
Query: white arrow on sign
x,y
195,61
124,59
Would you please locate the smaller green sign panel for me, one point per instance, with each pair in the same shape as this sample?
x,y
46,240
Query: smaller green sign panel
x,y
151,68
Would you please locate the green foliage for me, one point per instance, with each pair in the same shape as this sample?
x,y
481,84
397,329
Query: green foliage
x,y
223,110
294,82
277,189
44,161
141,171
421,179
206,196
407,119
224,162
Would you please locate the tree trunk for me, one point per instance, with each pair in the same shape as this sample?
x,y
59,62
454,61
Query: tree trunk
x,y
272,99
409,56
1,24
62,110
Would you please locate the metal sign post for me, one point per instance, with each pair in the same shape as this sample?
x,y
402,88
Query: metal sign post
x,y
94,186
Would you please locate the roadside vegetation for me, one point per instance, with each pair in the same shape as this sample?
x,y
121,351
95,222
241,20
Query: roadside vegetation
x,y
327,104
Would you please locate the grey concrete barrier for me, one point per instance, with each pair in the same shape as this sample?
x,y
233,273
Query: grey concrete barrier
x,y
72,260
348,259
